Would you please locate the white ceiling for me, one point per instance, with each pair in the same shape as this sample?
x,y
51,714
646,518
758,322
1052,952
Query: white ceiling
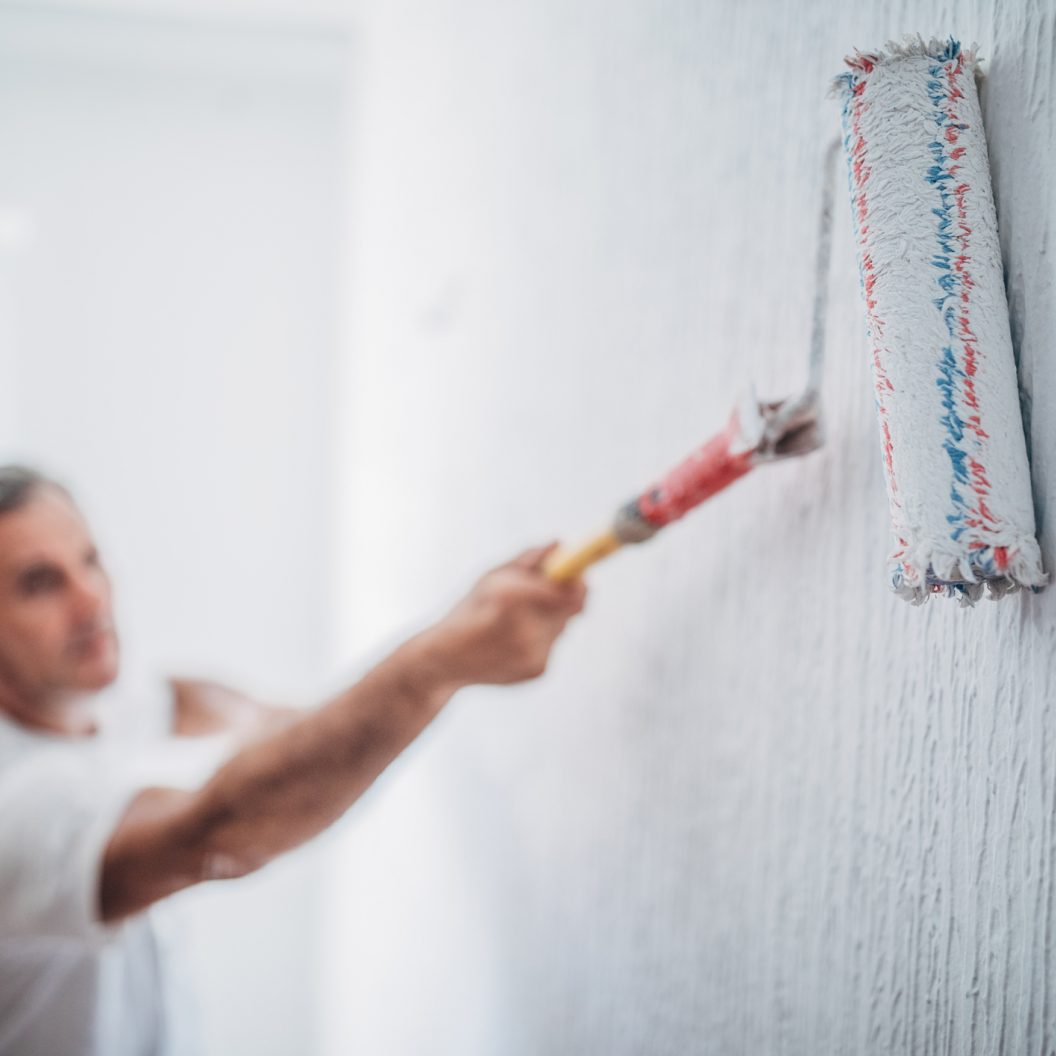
x,y
305,13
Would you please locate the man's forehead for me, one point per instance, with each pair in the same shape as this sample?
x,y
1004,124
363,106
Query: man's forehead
x,y
47,526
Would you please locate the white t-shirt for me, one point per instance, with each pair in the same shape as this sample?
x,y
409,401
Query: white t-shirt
x,y
69,984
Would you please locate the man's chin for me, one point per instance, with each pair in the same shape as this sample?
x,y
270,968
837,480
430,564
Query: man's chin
x,y
102,680
100,672
97,679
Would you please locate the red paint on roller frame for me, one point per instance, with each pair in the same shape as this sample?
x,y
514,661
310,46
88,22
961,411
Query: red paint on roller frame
x,y
712,467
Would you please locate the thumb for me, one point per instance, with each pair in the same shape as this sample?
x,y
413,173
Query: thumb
x,y
533,560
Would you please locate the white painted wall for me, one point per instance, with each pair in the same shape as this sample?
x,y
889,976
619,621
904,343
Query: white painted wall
x,y
169,335
758,804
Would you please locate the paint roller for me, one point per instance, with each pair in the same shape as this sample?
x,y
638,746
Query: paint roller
x,y
958,481
937,323
757,433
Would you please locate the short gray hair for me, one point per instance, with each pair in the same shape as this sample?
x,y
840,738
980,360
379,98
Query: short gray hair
x,y
18,484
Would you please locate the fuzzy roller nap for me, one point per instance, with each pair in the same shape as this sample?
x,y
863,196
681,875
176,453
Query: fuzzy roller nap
x,y
937,321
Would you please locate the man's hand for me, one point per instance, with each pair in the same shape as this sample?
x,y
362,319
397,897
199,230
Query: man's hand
x,y
504,629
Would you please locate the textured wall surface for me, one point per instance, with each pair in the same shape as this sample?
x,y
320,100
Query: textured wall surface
x,y
758,804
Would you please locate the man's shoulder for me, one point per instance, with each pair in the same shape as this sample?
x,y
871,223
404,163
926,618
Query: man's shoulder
x,y
202,707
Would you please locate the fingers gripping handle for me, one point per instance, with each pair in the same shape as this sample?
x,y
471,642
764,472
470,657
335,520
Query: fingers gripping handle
x,y
564,565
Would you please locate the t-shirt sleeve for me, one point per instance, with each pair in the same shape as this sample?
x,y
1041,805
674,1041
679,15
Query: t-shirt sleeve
x,y
57,815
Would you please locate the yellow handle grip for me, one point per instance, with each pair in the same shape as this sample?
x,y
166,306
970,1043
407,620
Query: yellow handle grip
x,y
568,564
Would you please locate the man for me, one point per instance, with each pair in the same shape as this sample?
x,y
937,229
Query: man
x,y
88,846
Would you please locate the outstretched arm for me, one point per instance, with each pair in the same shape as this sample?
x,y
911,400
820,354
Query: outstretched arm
x,y
279,791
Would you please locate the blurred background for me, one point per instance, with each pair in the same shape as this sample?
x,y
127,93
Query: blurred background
x,y
322,308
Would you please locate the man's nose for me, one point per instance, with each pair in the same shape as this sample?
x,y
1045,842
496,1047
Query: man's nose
x,y
90,598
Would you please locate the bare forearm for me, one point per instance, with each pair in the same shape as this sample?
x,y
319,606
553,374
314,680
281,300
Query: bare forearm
x,y
281,791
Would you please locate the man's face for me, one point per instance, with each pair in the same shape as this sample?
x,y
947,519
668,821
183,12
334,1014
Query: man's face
x,y
56,622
